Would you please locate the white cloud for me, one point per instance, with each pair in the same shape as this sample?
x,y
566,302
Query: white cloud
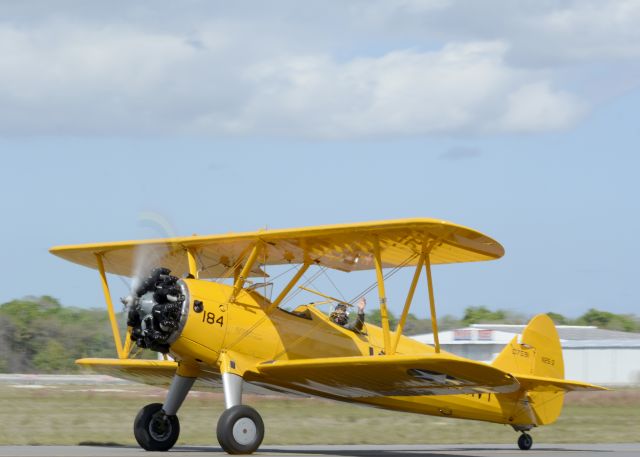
x,y
460,88
593,30
536,108
379,69
538,33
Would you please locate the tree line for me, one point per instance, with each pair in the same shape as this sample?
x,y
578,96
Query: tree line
x,y
39,335
483,315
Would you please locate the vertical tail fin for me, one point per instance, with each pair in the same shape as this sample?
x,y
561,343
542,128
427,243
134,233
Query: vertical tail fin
x,y
537,352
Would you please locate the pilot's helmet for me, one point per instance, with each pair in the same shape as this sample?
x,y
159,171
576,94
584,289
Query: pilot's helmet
x,y
339,314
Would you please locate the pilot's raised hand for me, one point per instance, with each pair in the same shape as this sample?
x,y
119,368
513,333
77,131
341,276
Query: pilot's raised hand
x,y
361,304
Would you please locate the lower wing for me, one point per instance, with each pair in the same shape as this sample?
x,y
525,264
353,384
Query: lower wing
x,y
153,372
396,375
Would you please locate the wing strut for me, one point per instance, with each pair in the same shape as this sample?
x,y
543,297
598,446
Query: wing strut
x,y
191,261
123,352
242,277
407,303
432,302
288,287
383,298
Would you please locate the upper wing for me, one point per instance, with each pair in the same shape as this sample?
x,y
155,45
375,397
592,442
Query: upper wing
x,y
366,376
346,247
544,384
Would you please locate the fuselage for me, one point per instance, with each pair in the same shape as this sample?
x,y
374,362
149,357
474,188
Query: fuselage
x,y
254,333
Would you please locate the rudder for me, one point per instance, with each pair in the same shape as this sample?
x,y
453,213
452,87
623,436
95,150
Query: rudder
x,y
536,352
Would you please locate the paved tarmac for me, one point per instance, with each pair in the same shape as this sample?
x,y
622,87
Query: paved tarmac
x,y
480,450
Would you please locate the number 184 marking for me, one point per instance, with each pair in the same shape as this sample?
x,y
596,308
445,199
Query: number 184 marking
x,y
210,318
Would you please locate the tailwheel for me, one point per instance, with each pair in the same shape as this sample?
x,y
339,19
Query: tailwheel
x,y
525,441
240,430
154,430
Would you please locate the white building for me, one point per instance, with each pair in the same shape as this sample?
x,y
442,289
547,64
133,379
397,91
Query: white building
x,y
590,354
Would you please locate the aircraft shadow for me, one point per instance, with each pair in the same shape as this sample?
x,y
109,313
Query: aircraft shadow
x,y
339,452
104,444
408,452
365,452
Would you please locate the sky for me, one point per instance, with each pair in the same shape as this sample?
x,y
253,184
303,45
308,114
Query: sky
x,y
146,119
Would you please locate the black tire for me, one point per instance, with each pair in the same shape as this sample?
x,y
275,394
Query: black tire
x,y
525,442
240,430
154,430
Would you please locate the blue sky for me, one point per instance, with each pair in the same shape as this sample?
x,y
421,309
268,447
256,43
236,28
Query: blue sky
x,y
535,144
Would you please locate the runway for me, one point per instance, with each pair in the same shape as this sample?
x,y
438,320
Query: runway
x,y
480,450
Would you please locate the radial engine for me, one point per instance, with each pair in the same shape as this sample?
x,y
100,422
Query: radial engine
x,y
156,310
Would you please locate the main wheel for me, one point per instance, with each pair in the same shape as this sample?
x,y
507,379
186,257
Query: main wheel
x,y
240,430
154,430
525,441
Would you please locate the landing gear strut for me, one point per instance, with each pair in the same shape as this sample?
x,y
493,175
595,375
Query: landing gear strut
x,y
240,428
525,441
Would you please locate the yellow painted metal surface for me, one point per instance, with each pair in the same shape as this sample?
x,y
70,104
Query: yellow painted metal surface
x,y
203,335
345,247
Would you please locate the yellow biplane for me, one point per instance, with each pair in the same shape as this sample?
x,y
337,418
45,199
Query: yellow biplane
x,y
227,334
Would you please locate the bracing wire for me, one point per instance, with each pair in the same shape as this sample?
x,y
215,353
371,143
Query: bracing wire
x,y
284,272
305,283
333,284
364,292
386,276
231,269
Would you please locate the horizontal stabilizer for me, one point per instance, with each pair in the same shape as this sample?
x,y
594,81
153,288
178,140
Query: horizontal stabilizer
x,y
542,384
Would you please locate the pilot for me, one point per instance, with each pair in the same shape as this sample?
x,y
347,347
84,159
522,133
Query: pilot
x,y
340,315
